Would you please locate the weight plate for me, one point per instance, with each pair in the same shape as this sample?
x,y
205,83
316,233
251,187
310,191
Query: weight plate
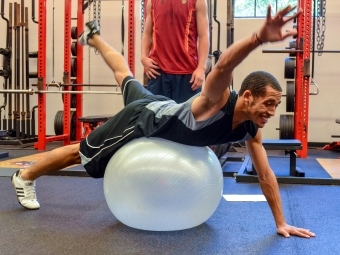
x,y
73,126
59,124
286,126
290,96
289,68
74,67
74,33
74,49
292,44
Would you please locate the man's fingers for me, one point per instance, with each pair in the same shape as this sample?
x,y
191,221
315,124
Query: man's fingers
x,y
301,232
284,233
269,12
289,33
293,16
285,10
152,73
155,72
306,232
154,66
192,79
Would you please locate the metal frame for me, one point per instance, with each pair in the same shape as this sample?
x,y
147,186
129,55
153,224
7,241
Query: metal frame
x,y
79,79
302,73
247,172
67,71
41,144
244,175
302,78
131,36
42,139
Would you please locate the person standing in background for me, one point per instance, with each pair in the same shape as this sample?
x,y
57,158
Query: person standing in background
x,y
175,46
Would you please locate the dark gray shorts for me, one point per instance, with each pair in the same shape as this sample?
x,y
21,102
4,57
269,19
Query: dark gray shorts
x,y
99,146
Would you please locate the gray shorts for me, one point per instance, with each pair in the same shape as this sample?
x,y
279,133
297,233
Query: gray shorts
x,y
100,145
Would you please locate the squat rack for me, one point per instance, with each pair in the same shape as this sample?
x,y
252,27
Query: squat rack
x,y
65,137
302,79
302,74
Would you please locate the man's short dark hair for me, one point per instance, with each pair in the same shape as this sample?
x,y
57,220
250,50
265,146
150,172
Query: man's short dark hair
x,y
257,82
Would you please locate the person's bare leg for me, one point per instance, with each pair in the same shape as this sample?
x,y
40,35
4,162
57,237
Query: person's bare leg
x,y
112,57
23,180
55,160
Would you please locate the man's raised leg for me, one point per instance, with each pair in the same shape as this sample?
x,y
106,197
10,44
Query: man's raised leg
x,y
115,60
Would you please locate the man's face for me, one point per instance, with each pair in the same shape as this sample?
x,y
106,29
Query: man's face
x,y
264,107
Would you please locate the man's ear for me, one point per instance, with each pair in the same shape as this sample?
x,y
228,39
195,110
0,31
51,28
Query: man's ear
x,y
247,95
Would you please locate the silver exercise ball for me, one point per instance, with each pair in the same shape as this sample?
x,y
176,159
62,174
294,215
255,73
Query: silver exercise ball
x,y
159,185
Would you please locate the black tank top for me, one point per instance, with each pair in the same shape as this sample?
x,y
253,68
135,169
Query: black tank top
x,y
175,122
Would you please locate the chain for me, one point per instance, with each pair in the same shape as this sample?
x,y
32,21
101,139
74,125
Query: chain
x,y
311,36
95,18
99,11
89,51
94,10
142,16
321,28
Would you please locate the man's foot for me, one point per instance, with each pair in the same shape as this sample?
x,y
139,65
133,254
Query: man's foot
x,y
91,29
25,192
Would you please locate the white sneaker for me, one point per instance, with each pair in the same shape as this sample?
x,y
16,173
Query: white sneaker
x,y
25,191
90,29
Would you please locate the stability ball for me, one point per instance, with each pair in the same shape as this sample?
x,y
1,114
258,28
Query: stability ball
x,y
159,185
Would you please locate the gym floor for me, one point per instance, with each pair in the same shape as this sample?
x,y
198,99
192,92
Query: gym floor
x,y
75,219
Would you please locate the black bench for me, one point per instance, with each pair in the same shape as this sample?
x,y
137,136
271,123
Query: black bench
x,y
92,122
247,172
290,146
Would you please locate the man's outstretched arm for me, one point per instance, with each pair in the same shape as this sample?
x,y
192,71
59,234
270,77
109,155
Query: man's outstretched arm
x,y
220,77
270,188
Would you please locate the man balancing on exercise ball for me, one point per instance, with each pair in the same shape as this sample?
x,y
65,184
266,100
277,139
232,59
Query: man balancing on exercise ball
x,y
216,115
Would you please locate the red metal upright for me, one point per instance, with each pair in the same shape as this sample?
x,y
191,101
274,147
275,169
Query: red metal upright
x,y
131,36
302,77
67,70
79,80
41,144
